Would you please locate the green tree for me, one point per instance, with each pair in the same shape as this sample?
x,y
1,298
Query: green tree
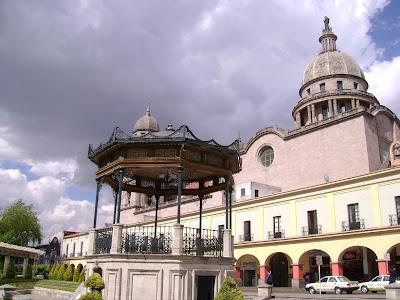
x,y
69,273
82,276
19,225
77,272
95,283
60,272
229,290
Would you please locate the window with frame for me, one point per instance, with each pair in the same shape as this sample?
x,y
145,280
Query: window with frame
x,y
243,192
221,231
81,253
324,110
397,200
339,85
308,91
354,216
266,156
255,193
355,85
73,250
322,87
277,227
247,231
66,250
312,222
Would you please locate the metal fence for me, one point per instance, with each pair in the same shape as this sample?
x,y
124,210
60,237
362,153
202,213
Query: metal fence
x,y
353,226
103,240
305,230
146,240
208,243
276,235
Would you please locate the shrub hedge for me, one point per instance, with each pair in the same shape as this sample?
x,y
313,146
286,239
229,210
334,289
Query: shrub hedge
x,y
229,290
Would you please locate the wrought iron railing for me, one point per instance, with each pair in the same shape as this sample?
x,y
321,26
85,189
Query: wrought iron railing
x,y
394,220
276,235
353,226
246,237
305,230
209,243
103,240
145,240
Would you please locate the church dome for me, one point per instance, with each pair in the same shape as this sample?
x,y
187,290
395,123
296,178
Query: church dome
x,y
332,63
146,123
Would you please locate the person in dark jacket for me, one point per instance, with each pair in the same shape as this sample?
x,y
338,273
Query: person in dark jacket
x,y
393,275
269,278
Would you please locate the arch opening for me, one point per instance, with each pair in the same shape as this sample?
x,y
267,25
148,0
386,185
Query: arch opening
x,y
394,262
280,265
308,262
248,270
359,263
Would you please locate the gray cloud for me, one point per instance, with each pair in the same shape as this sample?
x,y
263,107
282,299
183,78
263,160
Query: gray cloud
x,y
71,71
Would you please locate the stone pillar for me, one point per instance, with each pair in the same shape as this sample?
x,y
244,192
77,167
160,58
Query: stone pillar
x,y
330,108
264,291
334,107
297,280
308,115
25,267
6,264
116,242
237,273
353,103
357,103
177,239
365,260
92,242
313,117
392,291
34,267
298,119
337,268
382,266
263,274
228,245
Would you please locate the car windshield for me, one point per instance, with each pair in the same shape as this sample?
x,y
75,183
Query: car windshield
x,y
343,279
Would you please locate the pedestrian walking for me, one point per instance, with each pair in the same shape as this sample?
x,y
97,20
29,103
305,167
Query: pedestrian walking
x,y
393,275
269,278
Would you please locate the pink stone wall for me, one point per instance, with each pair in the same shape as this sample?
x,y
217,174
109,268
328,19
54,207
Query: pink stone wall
x,y
372,142
337,150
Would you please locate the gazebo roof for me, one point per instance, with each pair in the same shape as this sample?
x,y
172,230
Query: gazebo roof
x,y
182,134
149,161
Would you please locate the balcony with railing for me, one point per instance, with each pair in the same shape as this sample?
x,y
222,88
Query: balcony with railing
x,y
175,240
346,226
306,230
394,220
245,237
273,235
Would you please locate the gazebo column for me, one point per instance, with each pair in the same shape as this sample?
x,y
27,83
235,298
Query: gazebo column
x,y
309,115
120,177
353,103
330,108
335,107
98,188
156,217
178,215
115,194
25,267
227,202
6,264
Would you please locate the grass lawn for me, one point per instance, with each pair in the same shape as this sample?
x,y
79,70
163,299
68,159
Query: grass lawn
x,y
68,286
20,283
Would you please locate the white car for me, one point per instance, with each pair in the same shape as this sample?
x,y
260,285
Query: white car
x,y
375,284
336,284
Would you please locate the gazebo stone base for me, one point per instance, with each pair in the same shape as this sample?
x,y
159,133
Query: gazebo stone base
x,y
157,276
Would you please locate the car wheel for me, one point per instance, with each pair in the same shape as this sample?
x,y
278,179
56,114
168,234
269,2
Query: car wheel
x,y
311,290
364,289
338,291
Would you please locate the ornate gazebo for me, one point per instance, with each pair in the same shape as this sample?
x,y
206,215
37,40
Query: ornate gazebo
x,y
170,262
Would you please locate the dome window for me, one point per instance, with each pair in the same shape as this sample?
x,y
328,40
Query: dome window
x,y
308,91
322,87
266,156
340,85
355,85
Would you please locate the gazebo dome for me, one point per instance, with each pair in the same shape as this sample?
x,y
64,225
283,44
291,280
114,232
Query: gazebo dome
x,y
332,63
146,123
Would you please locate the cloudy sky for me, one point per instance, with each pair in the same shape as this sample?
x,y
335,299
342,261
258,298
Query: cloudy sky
x,y
70,71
